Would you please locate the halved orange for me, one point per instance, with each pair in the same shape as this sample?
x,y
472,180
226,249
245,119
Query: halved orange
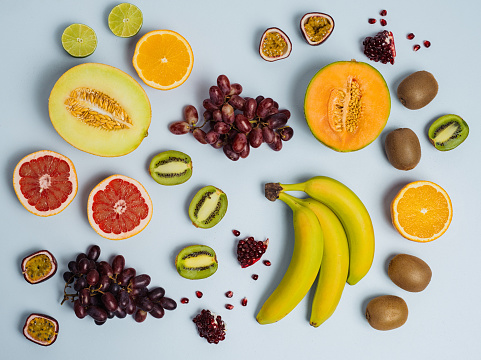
x,y
163,59
421,211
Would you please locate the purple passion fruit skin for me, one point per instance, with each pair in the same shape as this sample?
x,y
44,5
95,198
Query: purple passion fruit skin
x,y
41,329
316,27
274,45
39,266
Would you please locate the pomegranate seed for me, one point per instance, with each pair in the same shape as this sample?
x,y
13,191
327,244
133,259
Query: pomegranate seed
x,y
210,327
244,302
199,294
371,21
236,232
383,13
255,276
229,306
229,294
383,22
427,43
267,263
410,36
249,251
184,300
416,47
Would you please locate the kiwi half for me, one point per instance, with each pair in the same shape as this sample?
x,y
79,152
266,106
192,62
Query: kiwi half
x,y
208,207
448,132
196,262
171,167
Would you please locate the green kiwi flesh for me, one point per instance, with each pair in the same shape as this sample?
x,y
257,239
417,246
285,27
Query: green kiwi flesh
x,y
448,132
171,167
208,207
196,262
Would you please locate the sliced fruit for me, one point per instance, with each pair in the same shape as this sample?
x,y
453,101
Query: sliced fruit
x,y
125,20
316,27
41,329
208,207
380,47
249,251
210,326
119,207
39,266
171,167
100,109
163,59
79,40
45,182
421,211
196,262
448,132
274,45
347,105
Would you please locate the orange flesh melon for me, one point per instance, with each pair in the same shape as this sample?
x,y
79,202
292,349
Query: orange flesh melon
x,y
347,105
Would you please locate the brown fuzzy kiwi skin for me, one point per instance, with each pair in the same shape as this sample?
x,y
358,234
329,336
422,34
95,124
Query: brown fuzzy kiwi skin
x,y
417,90
403,149
386,312
409,272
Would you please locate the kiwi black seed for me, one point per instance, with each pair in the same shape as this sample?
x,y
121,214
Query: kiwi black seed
x,y
171,167
403,149
417,90
196,262
386,312
448,132
409,272
208,207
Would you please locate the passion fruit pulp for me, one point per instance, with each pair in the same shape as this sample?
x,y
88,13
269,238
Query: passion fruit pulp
x,y
274,45
41,329
316,27
39,266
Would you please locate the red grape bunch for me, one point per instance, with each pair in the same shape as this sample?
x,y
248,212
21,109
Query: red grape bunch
x,y
235,123
106,290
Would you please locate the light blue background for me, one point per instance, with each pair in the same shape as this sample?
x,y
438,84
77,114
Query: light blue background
x,y
444,320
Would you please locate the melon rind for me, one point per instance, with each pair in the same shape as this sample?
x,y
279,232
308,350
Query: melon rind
x,y
101,186
116,84
24,201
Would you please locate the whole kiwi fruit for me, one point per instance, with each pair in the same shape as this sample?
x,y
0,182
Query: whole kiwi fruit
x,y
417,90
403,149
409,272
386,312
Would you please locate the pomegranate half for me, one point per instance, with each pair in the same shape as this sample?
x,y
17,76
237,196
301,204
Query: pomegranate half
x,y
39,266
316,27
274,45
41,329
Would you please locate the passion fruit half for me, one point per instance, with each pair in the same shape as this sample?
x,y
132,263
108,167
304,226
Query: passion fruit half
x,y
41,329
39,266
274,45
316,27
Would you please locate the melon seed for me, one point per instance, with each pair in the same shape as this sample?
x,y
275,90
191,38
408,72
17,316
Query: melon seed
x,y
208,207
344,109
171,167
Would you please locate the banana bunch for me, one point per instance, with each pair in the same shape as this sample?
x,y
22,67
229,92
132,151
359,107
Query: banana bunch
x,y
334,237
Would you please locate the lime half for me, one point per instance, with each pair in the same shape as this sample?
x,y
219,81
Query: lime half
x,y
125,20
79,40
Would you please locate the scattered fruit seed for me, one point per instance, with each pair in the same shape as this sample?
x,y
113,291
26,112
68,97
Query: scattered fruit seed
x,y
372,21
244,302
229,294
427,43
383,12
383,22
236,232
199,294
255,276
267,263
184,300
416,47
229,306
410,36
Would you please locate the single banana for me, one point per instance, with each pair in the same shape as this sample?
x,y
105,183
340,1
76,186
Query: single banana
x,y
334,266
349,209
303,267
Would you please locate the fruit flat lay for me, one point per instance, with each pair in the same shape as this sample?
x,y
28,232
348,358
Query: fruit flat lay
x,y
261,180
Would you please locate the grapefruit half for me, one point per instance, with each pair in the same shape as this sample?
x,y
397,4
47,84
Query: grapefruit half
x,y
45,182
119,207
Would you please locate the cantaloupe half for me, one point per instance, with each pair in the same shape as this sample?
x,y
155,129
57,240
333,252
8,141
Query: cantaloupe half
x,y
100,109
347,105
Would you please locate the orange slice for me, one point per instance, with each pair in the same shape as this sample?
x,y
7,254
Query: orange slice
x,y
421,211
163,59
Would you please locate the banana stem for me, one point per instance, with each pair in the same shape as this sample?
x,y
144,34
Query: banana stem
x,y
293,187
289,200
